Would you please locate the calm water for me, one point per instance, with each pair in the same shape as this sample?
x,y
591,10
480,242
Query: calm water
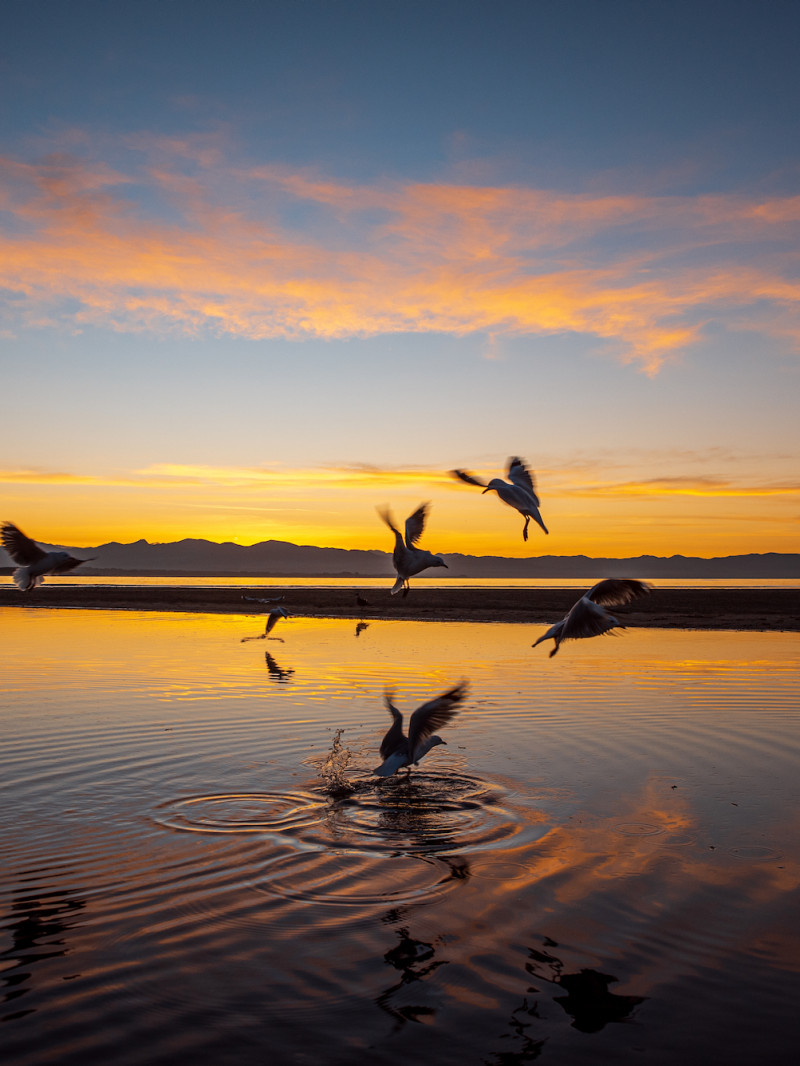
x,y
600,867
434,581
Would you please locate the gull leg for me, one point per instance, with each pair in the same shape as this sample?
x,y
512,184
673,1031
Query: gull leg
x,y
525,527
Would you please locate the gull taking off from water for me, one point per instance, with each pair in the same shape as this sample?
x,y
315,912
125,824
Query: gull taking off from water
x,y
273,618
520,494
589,617
407,558
397,750
34,563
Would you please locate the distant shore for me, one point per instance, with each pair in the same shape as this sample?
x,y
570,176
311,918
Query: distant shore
x,y
670,608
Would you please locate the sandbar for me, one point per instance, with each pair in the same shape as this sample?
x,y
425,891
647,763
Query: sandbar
x,y
671,608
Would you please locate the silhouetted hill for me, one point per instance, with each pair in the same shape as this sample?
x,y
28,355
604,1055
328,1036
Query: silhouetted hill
x,y
277,558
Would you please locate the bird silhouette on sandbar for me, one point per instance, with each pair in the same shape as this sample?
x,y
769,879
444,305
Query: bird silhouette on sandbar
x,y
589,617
34,563
407,558
520,494
273,618
399,750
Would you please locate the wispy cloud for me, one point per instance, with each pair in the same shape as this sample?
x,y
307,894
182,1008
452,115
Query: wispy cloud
x,y
186,241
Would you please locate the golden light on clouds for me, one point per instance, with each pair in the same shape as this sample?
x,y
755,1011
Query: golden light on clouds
x,y
336,507
159,249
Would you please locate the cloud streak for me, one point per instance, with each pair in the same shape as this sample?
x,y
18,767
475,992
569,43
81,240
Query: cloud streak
x,y
188,243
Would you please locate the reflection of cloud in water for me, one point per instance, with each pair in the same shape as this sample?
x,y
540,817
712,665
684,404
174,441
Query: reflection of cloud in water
x,y
38,924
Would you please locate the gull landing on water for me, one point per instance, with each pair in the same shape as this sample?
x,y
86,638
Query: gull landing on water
x,y
407,558
589,617
520,494
34,562
397,750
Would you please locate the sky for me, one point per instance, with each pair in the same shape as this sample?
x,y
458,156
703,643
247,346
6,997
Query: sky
x,y
268,266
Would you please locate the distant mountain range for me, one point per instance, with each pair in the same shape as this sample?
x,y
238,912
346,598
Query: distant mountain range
x,y
277,558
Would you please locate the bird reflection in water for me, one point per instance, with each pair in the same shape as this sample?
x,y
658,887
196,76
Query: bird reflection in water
x,y
405,1000
588,999
360,627
277,673
37,927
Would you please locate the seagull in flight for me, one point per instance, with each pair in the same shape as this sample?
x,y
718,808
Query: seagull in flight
x,y
34,563
408,559
273,618
397,750
520,493
589,617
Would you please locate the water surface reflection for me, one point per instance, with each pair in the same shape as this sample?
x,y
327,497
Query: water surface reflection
x,y
601,866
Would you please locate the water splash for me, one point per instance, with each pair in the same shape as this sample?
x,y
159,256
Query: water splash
x,y
333,770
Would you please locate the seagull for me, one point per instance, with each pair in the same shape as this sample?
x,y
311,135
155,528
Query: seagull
x,y
520,494
407,558
34,563
398,750
273,618
588,617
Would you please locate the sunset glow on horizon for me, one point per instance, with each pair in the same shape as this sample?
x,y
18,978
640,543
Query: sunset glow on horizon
x,y
256,283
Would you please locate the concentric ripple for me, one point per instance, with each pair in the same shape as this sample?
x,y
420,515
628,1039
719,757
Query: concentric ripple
x,y
242,812
433,815
345,880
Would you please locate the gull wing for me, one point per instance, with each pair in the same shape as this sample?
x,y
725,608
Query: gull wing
x,y
21,548
61,566
394,737
386,515
415,524
469,478
274,617
586,619
519,475
615,591
434,714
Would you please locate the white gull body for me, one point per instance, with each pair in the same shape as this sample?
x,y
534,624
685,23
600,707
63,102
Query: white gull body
x,y
399,750
589,617
34,563
407,558
518,492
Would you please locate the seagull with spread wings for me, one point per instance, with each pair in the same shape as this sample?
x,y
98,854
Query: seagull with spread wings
x,y
33,562
589,617
408,559
398,750
519,494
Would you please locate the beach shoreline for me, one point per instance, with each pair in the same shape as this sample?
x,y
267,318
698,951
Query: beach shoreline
x,y
763,609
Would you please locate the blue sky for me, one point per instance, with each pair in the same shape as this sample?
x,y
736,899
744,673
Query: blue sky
x,y
269,265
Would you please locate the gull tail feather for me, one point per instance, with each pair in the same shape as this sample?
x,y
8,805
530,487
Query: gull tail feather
x,y
23,579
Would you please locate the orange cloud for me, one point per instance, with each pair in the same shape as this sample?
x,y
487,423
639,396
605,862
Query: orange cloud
x,y
384,258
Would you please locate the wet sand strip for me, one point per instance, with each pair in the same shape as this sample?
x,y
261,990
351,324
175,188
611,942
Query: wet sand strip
x,y
672,608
